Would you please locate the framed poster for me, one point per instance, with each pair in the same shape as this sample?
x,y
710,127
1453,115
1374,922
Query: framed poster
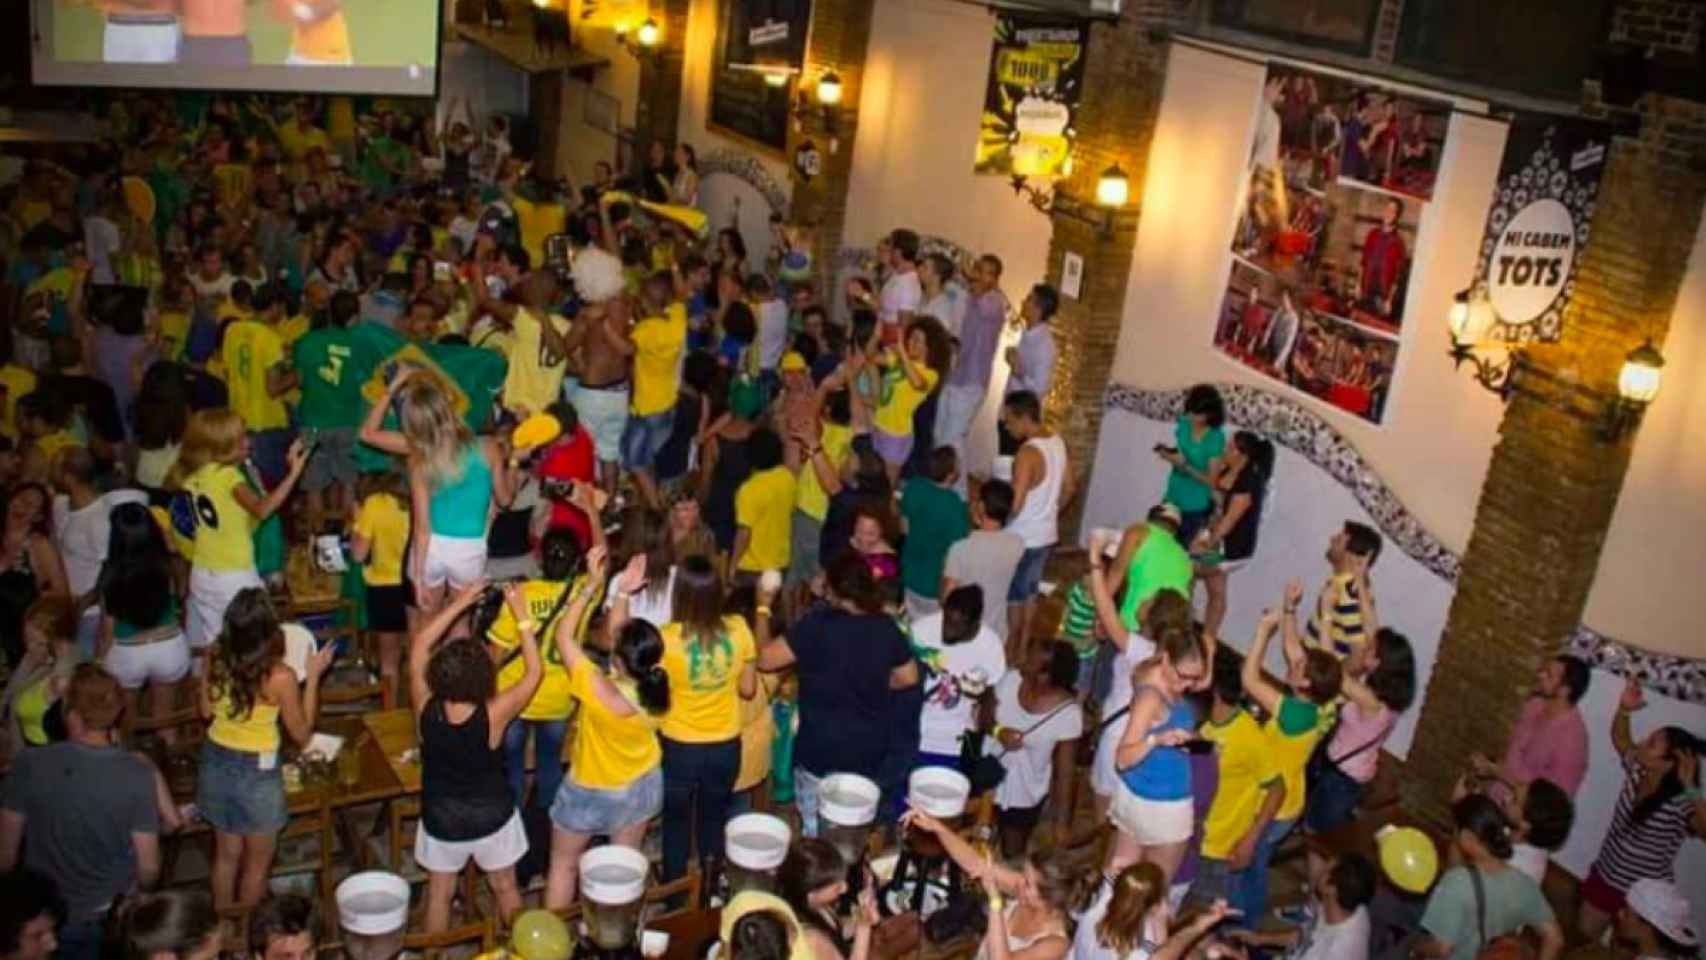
x,y
1339,176
1030,102
751,35
1344,25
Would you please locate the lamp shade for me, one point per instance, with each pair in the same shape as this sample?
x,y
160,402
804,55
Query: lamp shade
x,y
829,88
1642,371
1113,189
649,33
776,78
1470,318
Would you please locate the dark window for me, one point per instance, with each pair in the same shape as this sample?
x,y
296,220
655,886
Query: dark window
x,y
1343,25
1538,47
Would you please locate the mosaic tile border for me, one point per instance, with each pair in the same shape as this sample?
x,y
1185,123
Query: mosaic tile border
x,y
745,166
1290,424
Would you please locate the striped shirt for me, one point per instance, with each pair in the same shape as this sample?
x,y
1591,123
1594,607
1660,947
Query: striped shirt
x,y
1078,620
1635,851
1343,615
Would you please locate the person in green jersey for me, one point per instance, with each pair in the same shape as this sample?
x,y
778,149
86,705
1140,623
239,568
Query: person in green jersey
x,y
331,407
1150,559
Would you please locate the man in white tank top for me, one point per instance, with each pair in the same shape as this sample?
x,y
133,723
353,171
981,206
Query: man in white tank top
x,y
1042,483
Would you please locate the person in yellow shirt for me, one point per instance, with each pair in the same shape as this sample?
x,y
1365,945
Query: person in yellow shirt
x,y
546,716
379,533
258,376
1250,791
659,339
615,780
44,422
909,376
16,382
711,660
764,508
538,356
824,464
218,511
538,215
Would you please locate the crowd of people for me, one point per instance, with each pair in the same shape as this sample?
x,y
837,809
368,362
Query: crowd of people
x,y
612,491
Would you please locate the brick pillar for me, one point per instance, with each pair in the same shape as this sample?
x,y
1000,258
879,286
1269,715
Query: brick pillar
x,y
657,108
1125,71
840,35
1553,483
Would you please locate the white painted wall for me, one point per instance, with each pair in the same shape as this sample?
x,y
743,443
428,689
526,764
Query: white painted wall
x,y
481,80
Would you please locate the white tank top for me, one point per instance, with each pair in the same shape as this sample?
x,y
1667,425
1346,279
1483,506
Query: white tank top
x,y
1037,523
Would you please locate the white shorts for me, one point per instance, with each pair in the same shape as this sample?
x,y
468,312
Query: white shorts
x,y
140,39
1104,779
497,851
210,593
161,661
1152,822
458,561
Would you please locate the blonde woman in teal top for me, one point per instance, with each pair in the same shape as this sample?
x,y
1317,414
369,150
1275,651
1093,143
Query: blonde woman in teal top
x,y
455,478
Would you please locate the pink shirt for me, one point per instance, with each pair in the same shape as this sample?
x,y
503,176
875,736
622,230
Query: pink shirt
x,y
1543,745
1357,729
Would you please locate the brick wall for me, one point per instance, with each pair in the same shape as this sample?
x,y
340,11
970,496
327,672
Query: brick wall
x,y
840,35
657,111
1125,69
1666,26
1553,482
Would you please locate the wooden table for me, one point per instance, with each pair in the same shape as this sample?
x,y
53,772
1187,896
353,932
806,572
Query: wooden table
x,y
688,930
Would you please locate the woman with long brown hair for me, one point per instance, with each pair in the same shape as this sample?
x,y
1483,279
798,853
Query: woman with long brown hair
x,y
249,694
1035,924
813,879
1126,917
710,660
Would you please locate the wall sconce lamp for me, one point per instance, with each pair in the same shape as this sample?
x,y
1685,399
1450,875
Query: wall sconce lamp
x,y
1637,385
819,108
641,42
1113,191
1472,318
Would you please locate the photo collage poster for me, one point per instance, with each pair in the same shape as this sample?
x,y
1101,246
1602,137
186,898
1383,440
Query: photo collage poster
x,y
1330,203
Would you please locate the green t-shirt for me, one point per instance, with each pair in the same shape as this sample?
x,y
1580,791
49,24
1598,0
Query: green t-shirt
x,y
1513,901
382,152
936,518
1183,490
331,391
1078,620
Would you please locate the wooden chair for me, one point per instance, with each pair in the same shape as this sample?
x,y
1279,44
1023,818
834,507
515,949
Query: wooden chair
x,y
370,689
477,926
398,811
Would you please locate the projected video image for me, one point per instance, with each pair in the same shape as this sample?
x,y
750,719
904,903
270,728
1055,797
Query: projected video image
x,y
389,45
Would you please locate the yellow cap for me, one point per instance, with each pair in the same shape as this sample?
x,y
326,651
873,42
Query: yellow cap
x,y
793,361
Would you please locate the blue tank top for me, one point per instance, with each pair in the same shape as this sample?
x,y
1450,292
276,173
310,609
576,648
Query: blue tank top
x,y
458,508
1164,773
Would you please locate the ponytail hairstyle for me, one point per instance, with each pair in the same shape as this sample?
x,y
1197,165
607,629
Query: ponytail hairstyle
x,y
1168,609
1676,741
1136,892
1259,452
248,647
175,923
639,647
1480,816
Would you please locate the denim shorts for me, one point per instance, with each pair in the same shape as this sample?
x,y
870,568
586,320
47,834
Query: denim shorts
x,y
1029,575
587,810
643,438
236,796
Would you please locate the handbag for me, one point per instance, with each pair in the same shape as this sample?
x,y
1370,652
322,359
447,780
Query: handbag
x,y
1511,946
985,770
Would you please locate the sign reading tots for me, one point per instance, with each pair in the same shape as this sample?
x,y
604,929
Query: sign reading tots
x,y
1531,262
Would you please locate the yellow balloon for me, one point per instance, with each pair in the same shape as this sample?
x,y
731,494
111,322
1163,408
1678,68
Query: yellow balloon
x,y
1409,858
541,935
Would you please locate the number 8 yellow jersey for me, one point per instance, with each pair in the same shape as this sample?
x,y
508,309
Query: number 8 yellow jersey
x,y
223,530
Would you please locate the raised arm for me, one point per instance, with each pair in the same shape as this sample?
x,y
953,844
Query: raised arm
x,y
1107,612
1293,643
977,866
421,644
1633,699
261,508
508,703
372,433
1256,684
